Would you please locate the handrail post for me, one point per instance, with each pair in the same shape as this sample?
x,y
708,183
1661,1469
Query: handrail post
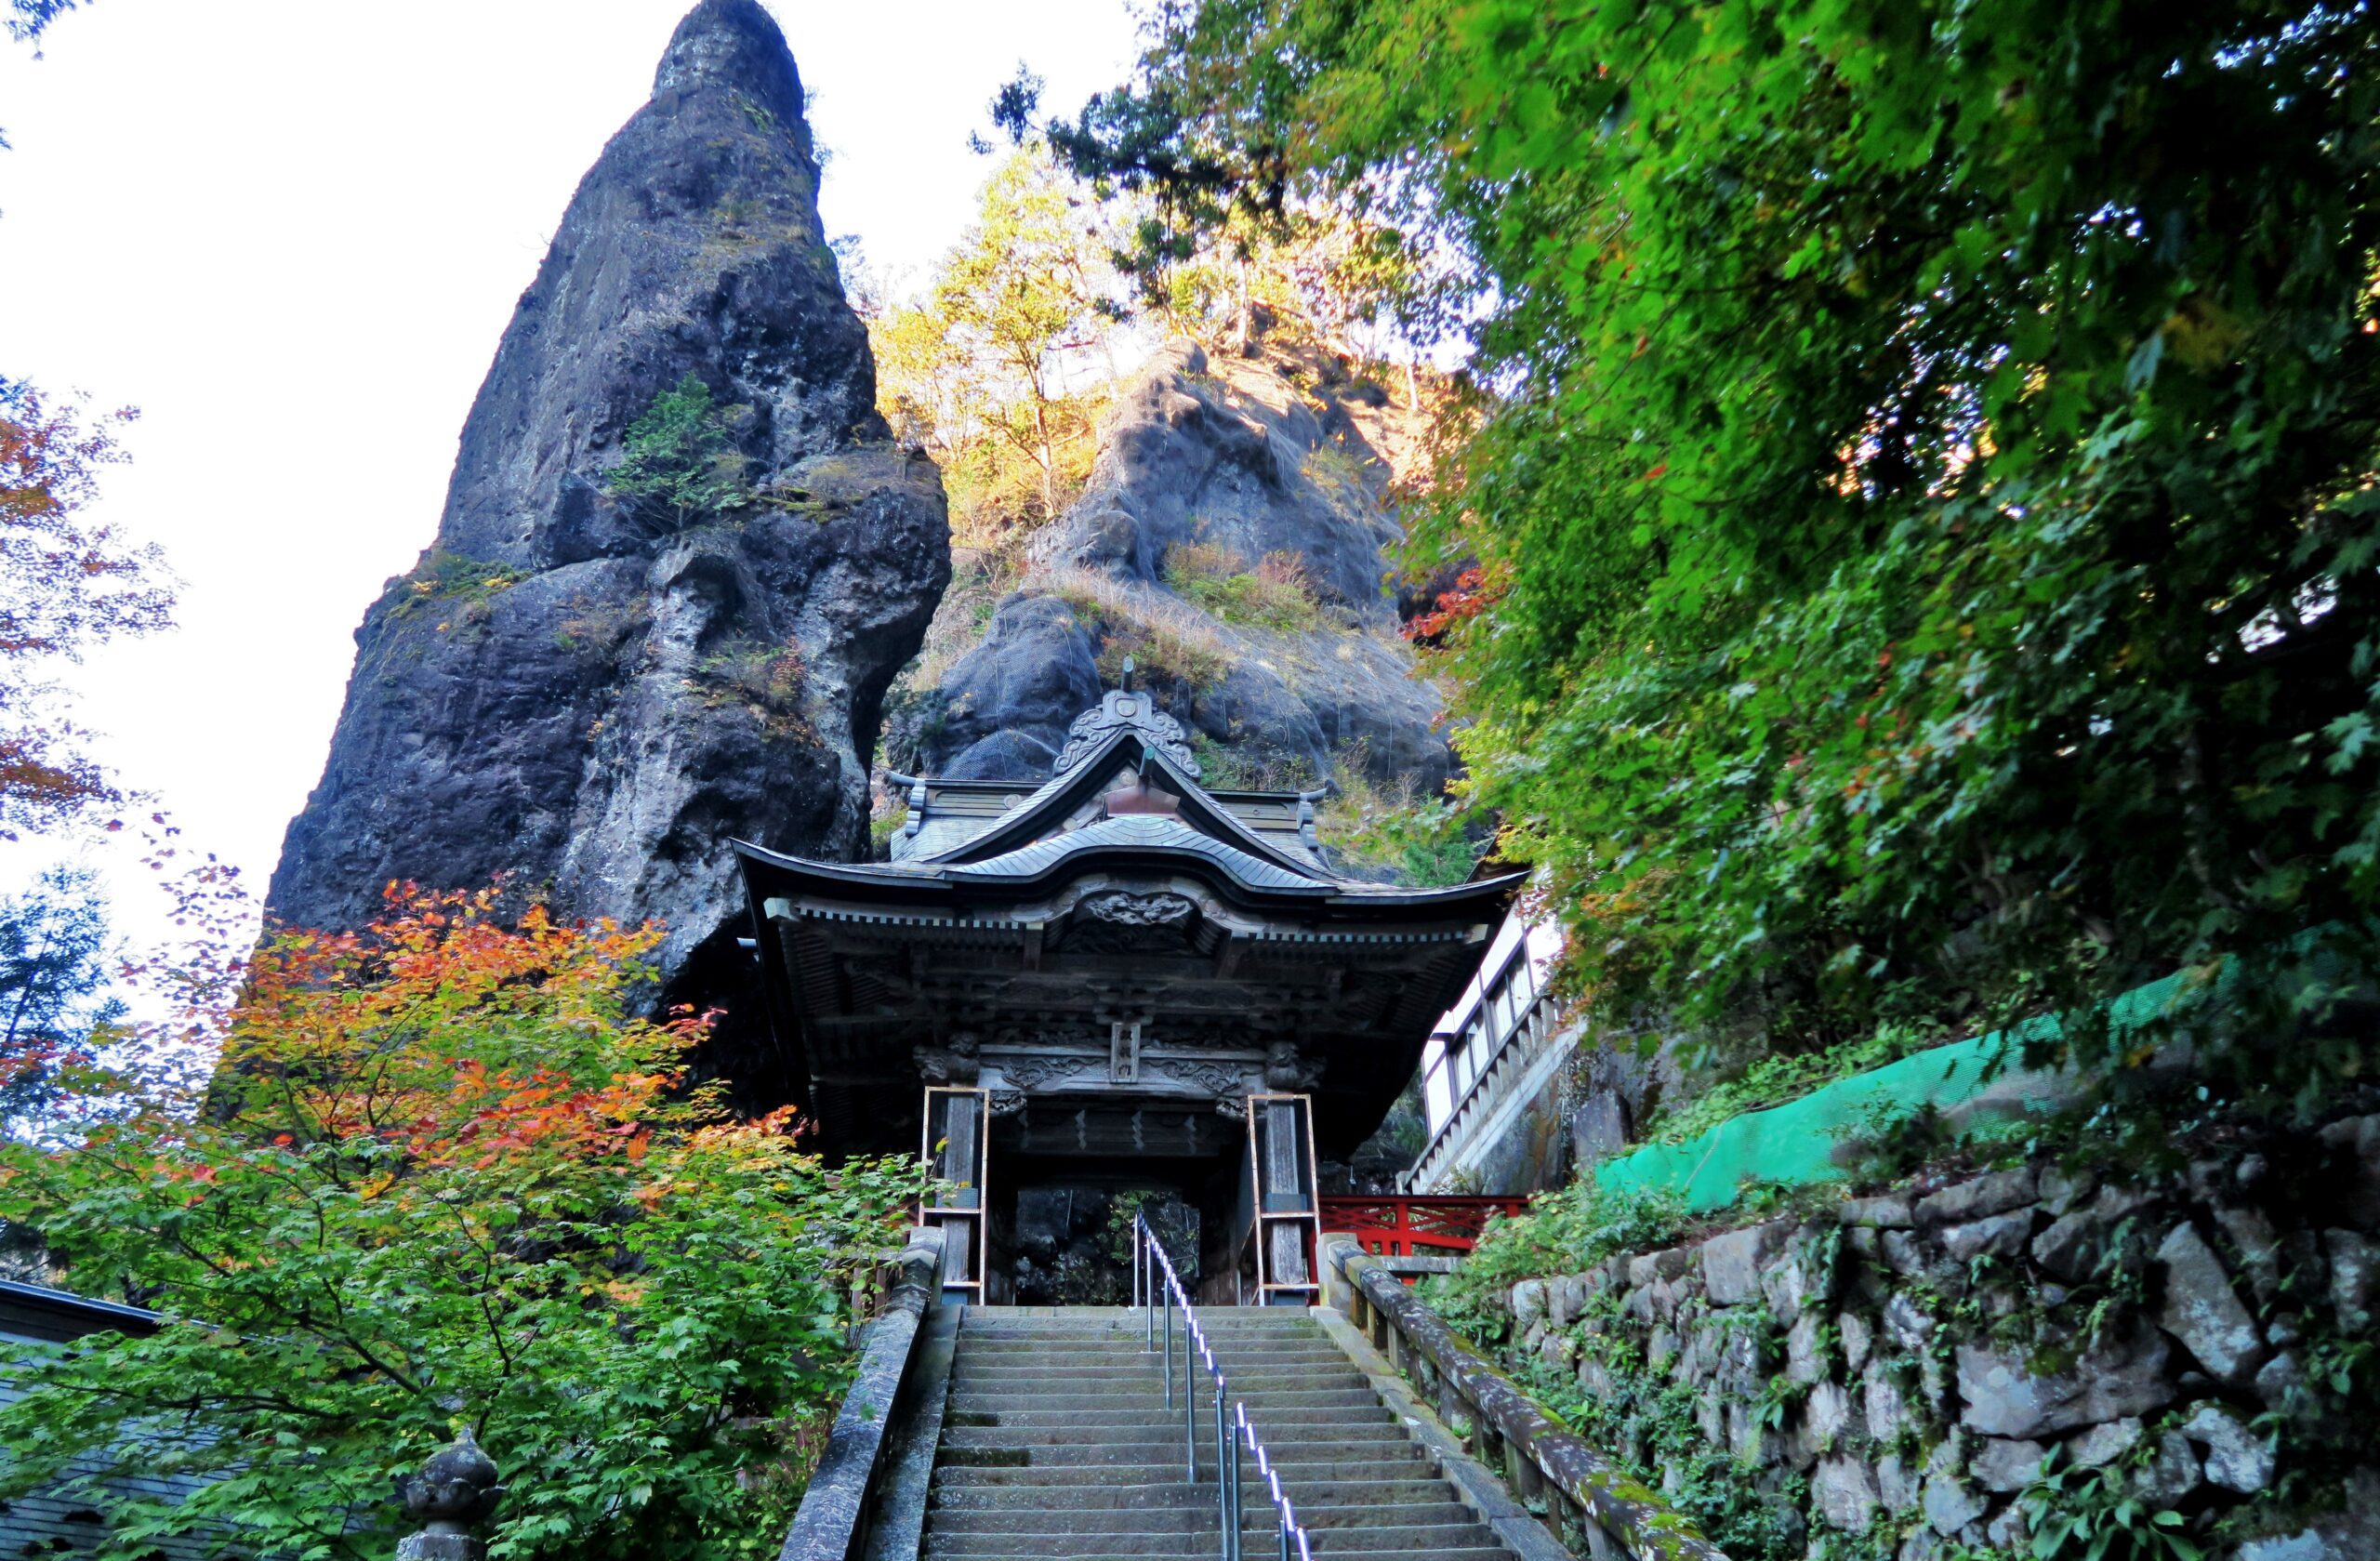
x,y
1222,1476
1227,1477
1234,1430
1189,1406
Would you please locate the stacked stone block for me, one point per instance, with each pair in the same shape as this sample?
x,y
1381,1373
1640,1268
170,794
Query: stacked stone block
x,y
1902,1367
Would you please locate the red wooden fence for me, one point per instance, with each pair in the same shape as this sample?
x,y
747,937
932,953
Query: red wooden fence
x,y
1407,1227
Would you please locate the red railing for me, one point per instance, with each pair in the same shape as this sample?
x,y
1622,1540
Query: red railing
x,y
1409,1227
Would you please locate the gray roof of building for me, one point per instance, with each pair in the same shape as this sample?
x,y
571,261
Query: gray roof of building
x,y
1146,831
1042,805
35,1318
40,1312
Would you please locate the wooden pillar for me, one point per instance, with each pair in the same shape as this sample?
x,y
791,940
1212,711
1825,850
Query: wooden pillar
x,y
957,1150
1283,1178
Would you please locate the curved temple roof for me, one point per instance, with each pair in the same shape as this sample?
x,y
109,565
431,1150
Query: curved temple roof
x,y
1030,920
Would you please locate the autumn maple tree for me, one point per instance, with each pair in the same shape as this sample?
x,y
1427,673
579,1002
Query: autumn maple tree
x,y
441,1175
66,585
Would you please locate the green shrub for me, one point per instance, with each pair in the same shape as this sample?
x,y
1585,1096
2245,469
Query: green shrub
x,y
1276,594
445,580
769,678
1775,1080
680,460
1563,1231
1250,764
1420,840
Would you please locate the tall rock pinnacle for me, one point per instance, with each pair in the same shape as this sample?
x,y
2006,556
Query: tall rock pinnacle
x,y
598,675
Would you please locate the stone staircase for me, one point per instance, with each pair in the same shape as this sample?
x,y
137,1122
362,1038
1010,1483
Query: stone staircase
x,y
1056,1443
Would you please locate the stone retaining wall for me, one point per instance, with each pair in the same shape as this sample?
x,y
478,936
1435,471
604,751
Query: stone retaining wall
x,y
1898,1370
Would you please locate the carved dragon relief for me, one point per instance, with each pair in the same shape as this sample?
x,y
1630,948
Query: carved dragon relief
x,y
1124,907
1130,921
1215,1079
1038,1073
1042,1074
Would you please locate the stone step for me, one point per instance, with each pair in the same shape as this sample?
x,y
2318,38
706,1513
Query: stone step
x,y
1150,1368
1187,1516
1289,1352
1153,1365
1063,1390
1304,1482
1148,1379
1134,1338
1095,1317
1436,1540
1114,1495
1019,1450
1307,1483
1156,1411
1169,1548
1165,1419
1026,1428
1328,1453
1172,1550
1216,1325
1104,1347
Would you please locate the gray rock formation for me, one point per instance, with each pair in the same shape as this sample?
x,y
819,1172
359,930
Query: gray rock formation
x,y
1230,468
594,692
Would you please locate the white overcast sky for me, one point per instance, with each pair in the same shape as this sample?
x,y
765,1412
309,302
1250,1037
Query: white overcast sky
x,y
291,232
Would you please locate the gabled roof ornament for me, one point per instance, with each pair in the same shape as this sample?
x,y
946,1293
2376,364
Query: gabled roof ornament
x,y
1124,710
1309,833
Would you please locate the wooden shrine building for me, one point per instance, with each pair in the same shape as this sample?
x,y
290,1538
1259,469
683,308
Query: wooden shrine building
x,y
1115,980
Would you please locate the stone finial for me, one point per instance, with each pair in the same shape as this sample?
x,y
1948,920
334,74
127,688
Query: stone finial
x,y
455,1491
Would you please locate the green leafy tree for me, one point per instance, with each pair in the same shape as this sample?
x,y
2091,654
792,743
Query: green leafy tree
x,y
54,976
440,1178
1002,367
1921,508
679,460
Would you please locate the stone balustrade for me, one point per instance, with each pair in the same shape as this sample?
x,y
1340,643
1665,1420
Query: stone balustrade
x,y
1591,1500
832,1522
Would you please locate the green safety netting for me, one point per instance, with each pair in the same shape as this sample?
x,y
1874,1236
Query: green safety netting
x,y
1797,1143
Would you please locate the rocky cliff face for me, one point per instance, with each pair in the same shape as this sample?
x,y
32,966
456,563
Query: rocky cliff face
x,y
591,685
1233,541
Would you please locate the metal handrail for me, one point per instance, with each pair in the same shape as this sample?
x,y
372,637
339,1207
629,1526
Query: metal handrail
x,y
1155,1283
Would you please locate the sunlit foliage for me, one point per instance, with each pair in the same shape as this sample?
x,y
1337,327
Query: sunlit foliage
x,y
1004,365
1924,542
442,1176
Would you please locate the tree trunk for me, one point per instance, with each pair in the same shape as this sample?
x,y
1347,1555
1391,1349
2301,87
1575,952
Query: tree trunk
x,y
1049,458
1242,327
